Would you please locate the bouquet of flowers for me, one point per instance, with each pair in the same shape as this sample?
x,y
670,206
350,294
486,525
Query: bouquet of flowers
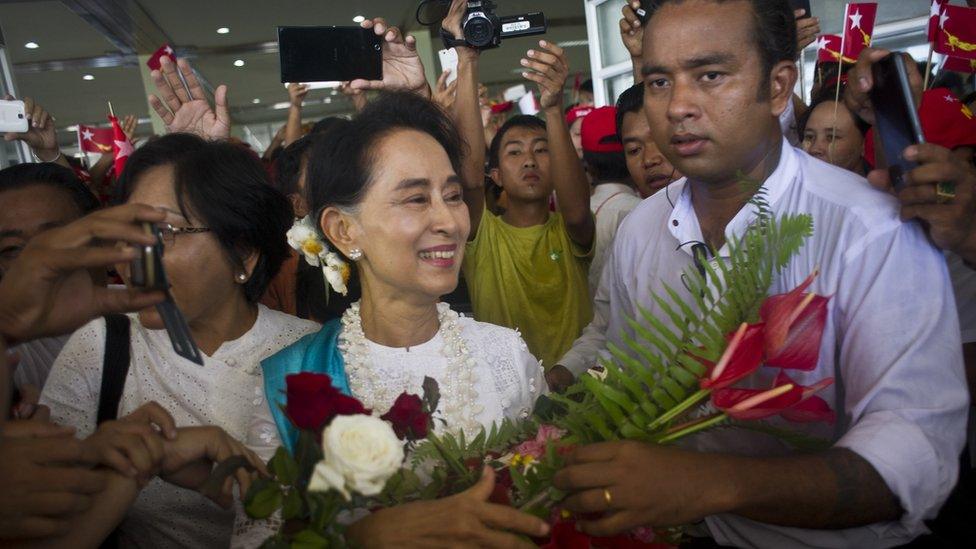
x,y
675,378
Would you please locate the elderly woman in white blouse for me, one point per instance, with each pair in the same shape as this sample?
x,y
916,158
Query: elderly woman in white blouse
x,y
224,239
388,199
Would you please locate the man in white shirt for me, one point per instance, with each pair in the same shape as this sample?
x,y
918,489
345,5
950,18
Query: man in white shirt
x,y
718,75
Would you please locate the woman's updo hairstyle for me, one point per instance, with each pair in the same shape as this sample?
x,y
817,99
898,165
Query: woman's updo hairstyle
x,y
340,166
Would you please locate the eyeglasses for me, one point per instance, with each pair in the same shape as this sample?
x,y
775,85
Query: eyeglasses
x,y
169,232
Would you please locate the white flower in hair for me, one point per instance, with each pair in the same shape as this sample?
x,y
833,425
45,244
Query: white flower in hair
x,y
336,272
303,237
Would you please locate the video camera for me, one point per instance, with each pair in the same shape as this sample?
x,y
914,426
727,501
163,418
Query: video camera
x,y
483,29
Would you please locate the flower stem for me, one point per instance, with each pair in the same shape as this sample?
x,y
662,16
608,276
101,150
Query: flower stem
x,y
695,398
693,428
535,500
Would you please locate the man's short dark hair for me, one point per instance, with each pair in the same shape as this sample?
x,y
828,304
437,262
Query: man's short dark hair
x,y
631,101
586,85
775,32
520,121
227,188
51,175
607,167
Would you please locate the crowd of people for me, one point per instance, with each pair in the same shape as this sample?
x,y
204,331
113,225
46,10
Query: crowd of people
x,y
502,257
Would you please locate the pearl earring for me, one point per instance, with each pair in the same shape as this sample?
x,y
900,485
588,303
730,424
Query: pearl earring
x,y
242,277
355,254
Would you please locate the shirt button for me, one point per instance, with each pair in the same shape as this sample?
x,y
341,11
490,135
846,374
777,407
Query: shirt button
x,y
231,362
674,222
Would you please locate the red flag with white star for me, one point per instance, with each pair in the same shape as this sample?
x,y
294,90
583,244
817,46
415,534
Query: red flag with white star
x,y
858,27
828,49
120,145
164,51
95,140
956,35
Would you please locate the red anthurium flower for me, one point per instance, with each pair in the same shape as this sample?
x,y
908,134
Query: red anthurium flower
x,y
742,357
811,408
794,327
787,398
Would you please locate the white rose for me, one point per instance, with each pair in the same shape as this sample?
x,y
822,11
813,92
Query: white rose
x,y
360,454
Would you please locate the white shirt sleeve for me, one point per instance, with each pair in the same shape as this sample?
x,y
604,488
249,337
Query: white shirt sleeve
x,y
73,387
583,354
901,370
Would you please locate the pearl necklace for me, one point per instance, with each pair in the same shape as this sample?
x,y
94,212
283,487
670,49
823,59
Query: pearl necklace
x,y
458,404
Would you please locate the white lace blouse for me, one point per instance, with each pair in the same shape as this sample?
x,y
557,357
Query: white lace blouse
x,y
507,382
226,391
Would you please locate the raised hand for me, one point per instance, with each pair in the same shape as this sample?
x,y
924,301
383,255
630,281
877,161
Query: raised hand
x,y
807,29
48,290
129,126
549,70
948,219
444,93
631,31
297,93
41,135
356,96
184,110
402,68
861,80
462,520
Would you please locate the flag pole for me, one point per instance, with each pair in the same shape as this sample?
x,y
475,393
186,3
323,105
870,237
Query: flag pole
x,y
81,148
840,70
928,69
111,112
803,77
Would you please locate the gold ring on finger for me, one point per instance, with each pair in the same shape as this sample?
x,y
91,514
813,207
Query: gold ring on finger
x,y
607,497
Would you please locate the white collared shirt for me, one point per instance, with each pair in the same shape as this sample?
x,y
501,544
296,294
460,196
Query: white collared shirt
x,y
610,204
891,340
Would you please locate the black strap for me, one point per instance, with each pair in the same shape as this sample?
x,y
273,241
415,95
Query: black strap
x,y
115,366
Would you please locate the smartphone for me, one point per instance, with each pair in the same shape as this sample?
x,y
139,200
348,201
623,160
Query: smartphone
x,y
449,62
323,54
146,271
896,119
12,117
802,5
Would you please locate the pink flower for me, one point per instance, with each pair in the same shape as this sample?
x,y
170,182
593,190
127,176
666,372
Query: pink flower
x,y
537,446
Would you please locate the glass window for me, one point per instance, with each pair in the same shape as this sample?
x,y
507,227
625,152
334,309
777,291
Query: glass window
x,y
612,50
618,85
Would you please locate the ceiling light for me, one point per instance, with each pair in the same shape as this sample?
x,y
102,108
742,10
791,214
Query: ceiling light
x,y
328,100
88,77
223,30
255,101
358,19
282,105
239,63
31,45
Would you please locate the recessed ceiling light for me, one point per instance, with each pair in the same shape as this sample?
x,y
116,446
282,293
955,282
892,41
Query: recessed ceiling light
x,y
31,45
255,100
223,30
88,77
328,100
239,63
358,19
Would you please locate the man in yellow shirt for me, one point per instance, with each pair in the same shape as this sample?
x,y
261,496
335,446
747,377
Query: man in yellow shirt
x,y
527,268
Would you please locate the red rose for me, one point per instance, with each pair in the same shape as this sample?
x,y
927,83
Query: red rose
x,y
313,401
408,417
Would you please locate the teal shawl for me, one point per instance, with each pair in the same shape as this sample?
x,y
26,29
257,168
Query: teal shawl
x,y
318,353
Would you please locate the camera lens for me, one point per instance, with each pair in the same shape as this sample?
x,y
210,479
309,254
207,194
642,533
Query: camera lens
x,y
478,31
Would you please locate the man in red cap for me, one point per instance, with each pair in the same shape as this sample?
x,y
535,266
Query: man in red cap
x,y
574,119
613,195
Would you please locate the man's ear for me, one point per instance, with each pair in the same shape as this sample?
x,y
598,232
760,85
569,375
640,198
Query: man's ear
x,y
496,176
782,79
340,229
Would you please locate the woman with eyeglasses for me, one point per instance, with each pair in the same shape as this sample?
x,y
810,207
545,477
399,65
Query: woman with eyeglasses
x,y
223,240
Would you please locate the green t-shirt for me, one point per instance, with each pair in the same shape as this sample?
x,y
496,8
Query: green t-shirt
x,y
532,279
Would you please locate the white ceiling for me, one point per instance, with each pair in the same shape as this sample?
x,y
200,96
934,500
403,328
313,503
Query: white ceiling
x,y
63,35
